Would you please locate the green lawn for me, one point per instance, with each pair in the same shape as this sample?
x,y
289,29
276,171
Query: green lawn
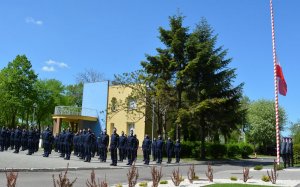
x,y
237,185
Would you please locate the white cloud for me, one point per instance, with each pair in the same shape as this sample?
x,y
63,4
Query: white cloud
x,y
59,64
33,21
48,68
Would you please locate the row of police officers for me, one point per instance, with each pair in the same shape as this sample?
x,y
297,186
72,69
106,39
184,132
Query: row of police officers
x,y
86,145
286,151
19,139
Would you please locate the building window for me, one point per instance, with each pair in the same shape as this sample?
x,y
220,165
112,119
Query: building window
x,y
113,104
130,126
132,104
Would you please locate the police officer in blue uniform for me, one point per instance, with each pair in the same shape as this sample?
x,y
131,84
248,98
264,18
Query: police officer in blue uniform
x,y
93,144
136,147
146,146
12,138
291,152
62,150
104,146
154,154
81,142
177,149
159,148
7,139
122,147
287,151
169,149
88,138
31,137
125,148
114,144
283,151
99,144
68,143
36,139
2,138
56,142
47,141
17,139
24,140
75,145
131,144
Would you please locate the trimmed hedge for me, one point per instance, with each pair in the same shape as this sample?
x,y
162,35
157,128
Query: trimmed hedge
x,y
296,149
246,150
192,149
233,150
216,150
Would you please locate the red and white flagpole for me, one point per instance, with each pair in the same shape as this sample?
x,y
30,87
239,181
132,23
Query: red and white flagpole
x,y
276,85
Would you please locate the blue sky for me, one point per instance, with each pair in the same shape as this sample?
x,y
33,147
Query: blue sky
x,y
63,38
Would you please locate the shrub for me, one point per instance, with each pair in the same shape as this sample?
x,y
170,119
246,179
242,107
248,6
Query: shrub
x,y
233,150
163,182
196,151
209,173
156,176
258,167
233,178
119,185
190,149
245,149
93,182
279,167
176,177
246,176
143,184
63,180
132,175
265,178
273,175
216,150
191,173
11,178
296,149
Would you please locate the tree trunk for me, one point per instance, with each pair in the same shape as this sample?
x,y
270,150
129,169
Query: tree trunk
x,y
179,91
13,120
202,137
164,125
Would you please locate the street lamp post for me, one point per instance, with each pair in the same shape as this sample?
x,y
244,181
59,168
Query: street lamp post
x,y
153,118
34,107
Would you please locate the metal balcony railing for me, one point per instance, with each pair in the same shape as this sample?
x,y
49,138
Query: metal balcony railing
x,y
75,111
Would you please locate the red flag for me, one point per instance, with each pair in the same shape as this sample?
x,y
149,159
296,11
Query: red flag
x,y
281,81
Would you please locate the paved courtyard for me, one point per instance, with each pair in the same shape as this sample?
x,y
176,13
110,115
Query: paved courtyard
x,y
36,170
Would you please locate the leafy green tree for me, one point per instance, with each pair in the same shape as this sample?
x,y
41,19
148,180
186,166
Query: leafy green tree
x,y
17,90
58,91
51,93
261,119
74,93
295,132
240,133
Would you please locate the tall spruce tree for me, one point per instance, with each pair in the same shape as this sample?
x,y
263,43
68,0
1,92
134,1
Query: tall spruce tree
x,y
211,101
191,83
162,72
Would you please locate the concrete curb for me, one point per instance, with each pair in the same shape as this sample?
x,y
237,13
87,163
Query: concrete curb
x,y
86,168
54,169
